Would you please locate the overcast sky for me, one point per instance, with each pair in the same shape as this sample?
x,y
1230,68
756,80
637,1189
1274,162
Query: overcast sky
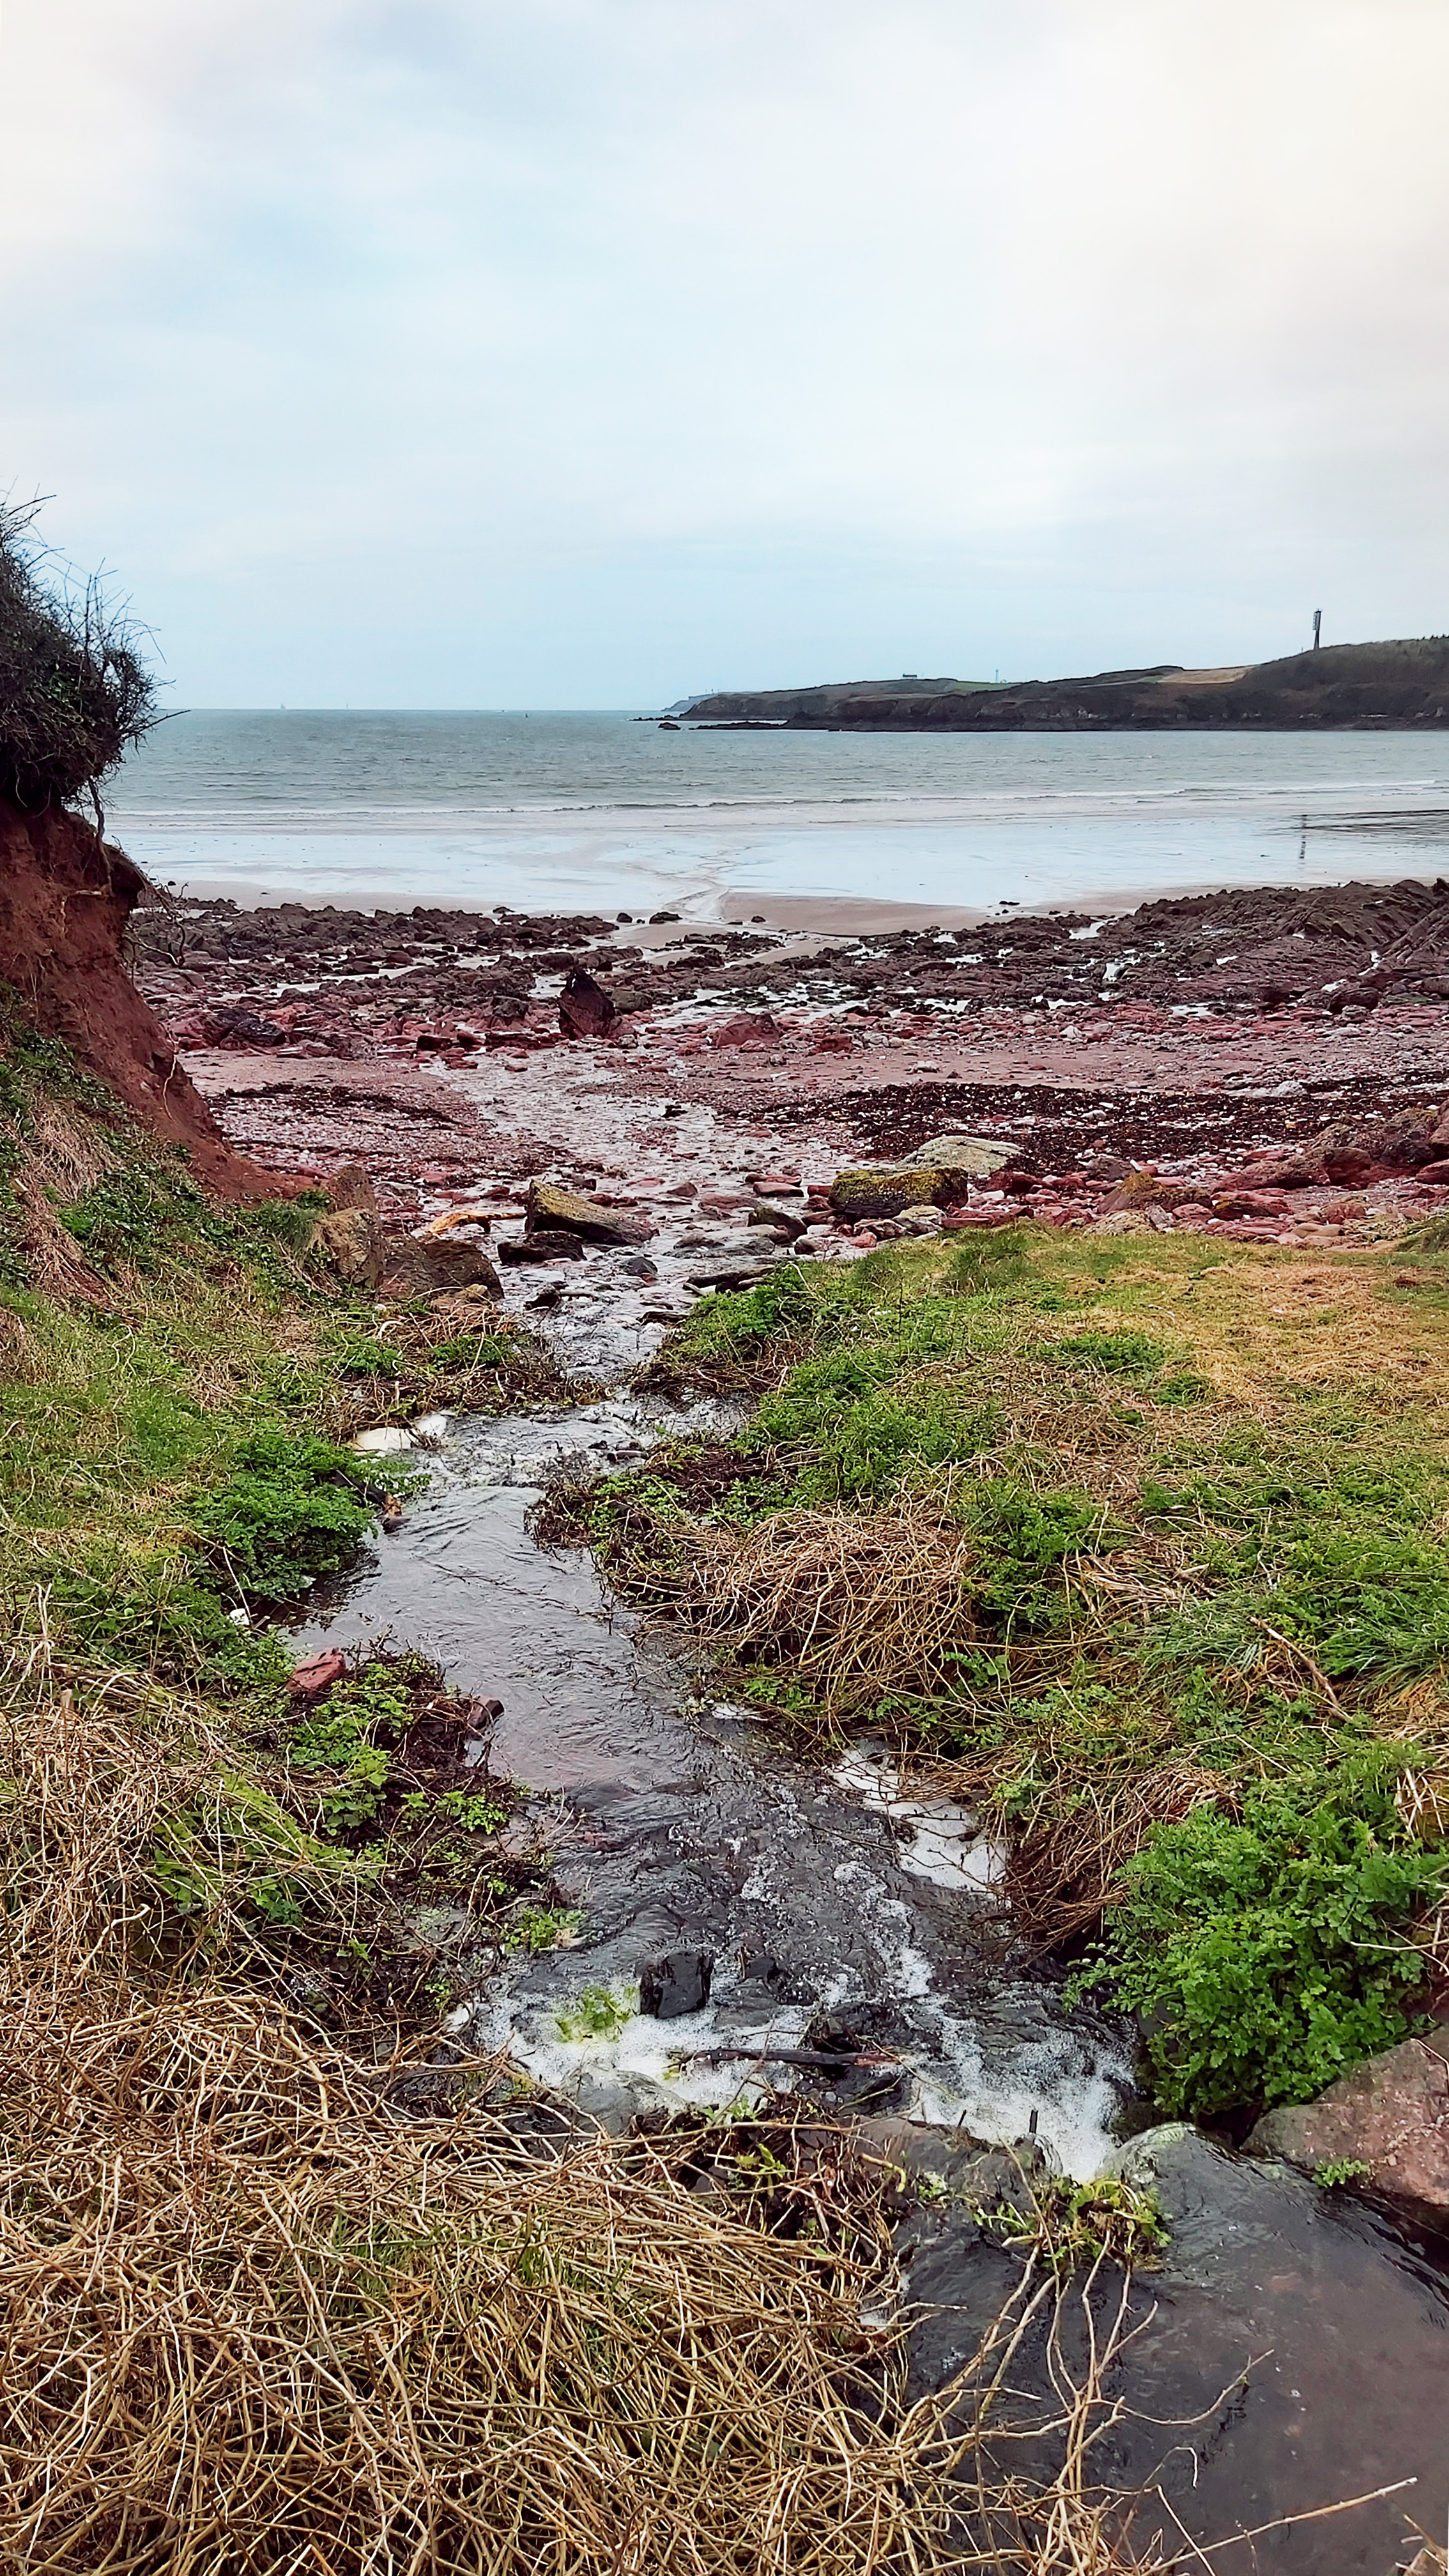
x,y
585,352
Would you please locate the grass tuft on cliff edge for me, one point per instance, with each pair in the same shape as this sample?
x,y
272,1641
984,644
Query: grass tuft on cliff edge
x,y
1139,1547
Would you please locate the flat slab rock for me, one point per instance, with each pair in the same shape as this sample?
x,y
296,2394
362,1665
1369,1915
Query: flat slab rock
x,y
554,1210
1390,2114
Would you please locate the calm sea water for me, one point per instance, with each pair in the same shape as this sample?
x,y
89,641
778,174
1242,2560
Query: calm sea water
x,y
602,811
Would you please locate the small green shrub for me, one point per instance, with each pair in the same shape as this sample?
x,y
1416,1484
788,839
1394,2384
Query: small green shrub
x,y
1339,2170
1025,1539
1265,1954
290,1510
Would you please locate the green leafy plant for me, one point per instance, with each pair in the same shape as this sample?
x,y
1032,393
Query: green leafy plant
x,y
1069,2223
597,2013
290,1509
1261,1951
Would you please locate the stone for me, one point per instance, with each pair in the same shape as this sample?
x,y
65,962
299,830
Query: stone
x,y
978,1155
547,1246
585,1010
677,1983
639,1266
309,1681
1144,1189
350,1186
550,1209
434,1266
746,1272
1435,1176
351,1241
389,1440
883,1191
744,1029
1274,1172
782,1221
1390,2114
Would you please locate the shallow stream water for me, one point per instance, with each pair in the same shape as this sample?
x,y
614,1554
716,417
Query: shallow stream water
x,y
1293,2350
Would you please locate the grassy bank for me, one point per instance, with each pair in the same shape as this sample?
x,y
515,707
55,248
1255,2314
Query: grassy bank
x,y
289,2280
1143,1548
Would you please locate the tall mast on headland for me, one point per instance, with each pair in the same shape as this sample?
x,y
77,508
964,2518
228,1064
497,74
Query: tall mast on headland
x,y
1317,623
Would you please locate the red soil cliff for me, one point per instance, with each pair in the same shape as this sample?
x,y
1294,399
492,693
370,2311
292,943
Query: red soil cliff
x,y
64,906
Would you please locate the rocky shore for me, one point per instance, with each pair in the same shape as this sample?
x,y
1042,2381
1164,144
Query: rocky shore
x,y
1269,1065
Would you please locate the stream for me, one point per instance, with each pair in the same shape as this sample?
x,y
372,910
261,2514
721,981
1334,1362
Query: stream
x,y
1292,2350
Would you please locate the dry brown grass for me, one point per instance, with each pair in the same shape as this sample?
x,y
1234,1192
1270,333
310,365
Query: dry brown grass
x,y
855,1603
258,2312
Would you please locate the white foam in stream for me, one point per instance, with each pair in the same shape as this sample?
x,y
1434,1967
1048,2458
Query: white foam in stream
x,y
935,1838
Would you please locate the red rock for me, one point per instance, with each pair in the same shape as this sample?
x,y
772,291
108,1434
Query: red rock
x,y
310,1680
585,1010
744,1028
1434,1176
1391,2114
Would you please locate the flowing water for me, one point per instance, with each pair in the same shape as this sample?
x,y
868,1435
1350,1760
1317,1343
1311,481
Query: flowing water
x,y
1291,2352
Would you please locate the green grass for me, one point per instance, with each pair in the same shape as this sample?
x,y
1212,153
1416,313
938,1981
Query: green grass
x,y
1209,1496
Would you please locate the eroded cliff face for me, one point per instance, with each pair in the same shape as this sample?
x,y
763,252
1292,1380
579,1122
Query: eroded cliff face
x,y
64,904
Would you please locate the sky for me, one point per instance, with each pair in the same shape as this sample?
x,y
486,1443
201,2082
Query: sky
x,y
586,353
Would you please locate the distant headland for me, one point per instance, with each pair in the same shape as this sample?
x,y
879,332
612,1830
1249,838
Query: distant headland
x,y
1339,685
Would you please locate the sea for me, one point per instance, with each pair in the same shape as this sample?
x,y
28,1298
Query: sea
x,y
544,811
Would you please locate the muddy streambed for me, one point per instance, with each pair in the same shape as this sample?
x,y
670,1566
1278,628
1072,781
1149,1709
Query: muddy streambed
x,y
1293,2348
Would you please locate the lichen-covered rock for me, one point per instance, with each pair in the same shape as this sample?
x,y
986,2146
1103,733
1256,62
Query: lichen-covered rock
x,y
1389,2116
434,1265
980,1156
552,1210
883,1191
351,1240
1144,1189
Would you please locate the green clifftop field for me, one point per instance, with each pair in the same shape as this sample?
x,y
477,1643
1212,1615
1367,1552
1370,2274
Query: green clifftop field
x,y
1390,684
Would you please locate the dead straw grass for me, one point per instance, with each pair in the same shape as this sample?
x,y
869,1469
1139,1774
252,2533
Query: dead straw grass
x,y
856,1604
259,2313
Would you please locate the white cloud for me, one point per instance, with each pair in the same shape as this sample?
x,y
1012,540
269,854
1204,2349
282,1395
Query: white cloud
x,y
575,351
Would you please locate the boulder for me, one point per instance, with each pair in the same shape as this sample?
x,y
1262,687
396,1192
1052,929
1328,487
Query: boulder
x,y
585,1010
882,1191
436,1266
978,1155
782,1221
552,1210
351,1240
1390,2115
745,1272
1296,1171
550,1244
1145,1189
745,1029
677,1983
350,1186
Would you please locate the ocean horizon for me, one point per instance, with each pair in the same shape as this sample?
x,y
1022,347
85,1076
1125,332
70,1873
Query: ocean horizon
x,y
601,810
